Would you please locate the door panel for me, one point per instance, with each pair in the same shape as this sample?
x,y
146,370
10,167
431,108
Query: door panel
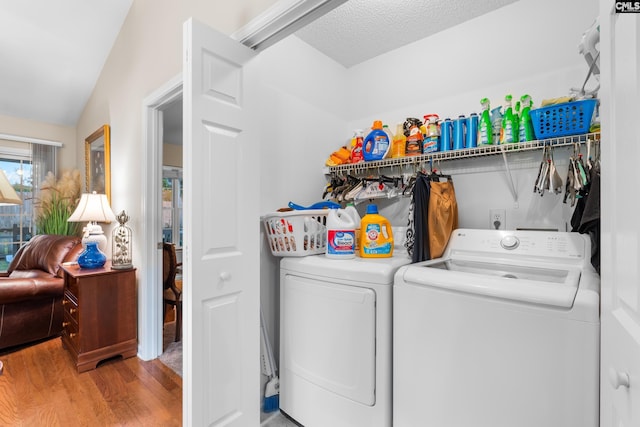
x,y
221,223
620,109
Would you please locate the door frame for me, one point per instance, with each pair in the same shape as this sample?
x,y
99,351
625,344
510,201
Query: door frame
x,y
150,295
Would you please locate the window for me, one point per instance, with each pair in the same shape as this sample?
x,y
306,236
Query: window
x,y
16,221
172,206
26,163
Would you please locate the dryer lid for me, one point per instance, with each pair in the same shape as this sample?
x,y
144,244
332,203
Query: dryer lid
x,y
531,284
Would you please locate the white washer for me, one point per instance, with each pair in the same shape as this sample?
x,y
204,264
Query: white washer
x,y
502,331
335,340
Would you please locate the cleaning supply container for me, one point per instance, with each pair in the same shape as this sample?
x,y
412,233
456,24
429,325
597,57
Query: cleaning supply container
x,y
399,144
446,134
509,132
351,210
471,140
376,144
376,235
485,133
341,235
432,134
459,130
356,146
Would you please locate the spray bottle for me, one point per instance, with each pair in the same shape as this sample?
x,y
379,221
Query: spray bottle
x,y
431,140
356,146
496,123
525,129
509,131
485,134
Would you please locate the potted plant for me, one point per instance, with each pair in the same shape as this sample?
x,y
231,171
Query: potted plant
x,y
56,201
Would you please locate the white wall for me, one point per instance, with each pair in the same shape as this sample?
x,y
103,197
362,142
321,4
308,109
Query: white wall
x,y
527,47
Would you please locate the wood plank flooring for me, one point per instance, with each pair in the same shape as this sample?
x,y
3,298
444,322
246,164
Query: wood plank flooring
x,y
41,387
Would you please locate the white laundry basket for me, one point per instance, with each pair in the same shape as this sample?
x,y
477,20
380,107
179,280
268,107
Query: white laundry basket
x,y
297,233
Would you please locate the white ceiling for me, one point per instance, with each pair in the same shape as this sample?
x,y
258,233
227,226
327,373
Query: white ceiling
x,y
359,30
53,51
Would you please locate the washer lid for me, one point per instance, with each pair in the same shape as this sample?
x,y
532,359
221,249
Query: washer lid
x,y
537,285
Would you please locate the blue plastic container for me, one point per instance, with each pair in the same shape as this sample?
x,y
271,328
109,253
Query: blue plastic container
x,y
472,131
376,145
458,132
446,133
569,118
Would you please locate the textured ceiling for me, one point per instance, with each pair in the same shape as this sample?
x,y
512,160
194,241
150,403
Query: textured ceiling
x,y
359,30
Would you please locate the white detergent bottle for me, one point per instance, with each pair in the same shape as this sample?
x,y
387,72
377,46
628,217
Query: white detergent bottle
x,y
353,212
341,235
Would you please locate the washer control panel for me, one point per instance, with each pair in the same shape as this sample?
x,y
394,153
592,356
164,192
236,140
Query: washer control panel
x,y
509,242
557,245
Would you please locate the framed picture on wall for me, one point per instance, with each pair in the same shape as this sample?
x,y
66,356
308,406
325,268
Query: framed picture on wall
x,y
97,162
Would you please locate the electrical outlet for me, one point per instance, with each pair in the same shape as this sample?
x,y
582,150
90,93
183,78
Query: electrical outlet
x,y
497,219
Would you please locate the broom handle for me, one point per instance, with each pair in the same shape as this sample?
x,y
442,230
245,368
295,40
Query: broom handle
x,y
270,358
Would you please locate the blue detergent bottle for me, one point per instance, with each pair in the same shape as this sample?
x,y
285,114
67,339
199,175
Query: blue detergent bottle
x,y
376,144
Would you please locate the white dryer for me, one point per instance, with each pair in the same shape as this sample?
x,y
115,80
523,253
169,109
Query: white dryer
x,y
335,340
502,331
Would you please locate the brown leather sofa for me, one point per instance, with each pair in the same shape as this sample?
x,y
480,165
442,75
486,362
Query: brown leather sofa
x,y
31,290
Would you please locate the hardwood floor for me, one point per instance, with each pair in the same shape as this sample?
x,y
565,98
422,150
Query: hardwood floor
x,y
41,387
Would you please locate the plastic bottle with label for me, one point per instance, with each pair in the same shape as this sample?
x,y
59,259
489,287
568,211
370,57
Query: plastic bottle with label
x,y
376,144
509,132
356,146
389,133
341,235
351,210
485,133
431,140
376,235
399,144
525,128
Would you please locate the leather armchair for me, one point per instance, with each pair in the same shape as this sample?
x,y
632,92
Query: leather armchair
x,y
32,289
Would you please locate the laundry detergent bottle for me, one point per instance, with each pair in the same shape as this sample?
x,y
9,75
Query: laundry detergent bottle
x,y
341,235
353,213
376,144
376,236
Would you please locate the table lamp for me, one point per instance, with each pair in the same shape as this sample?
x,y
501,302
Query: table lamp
x,y
93,208
8,196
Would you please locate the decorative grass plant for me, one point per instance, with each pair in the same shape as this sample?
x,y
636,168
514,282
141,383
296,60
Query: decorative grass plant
x,y
56,202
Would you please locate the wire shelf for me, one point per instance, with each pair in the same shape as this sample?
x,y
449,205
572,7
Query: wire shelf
x,y
485,150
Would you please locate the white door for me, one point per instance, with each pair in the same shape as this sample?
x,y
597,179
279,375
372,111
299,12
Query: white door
x,y
221,222
620,98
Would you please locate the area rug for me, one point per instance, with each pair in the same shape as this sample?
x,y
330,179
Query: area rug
x,y
172,355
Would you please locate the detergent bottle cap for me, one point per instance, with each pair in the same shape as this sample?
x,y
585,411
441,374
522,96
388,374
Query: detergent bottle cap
x,y
377,124
372,209
484,102
508,98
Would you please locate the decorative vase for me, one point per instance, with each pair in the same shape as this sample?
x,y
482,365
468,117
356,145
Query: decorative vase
x,y
121,244
91,257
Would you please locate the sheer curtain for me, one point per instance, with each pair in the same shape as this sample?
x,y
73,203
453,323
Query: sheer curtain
x,y
43,160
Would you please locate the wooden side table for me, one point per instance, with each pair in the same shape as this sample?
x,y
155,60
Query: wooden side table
x,y
100,314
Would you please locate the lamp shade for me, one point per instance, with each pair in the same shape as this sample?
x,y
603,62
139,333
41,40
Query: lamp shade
x,y
93,207
8,195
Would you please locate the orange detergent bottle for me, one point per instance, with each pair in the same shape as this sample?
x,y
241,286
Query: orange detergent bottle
x,y
376,237
399,144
